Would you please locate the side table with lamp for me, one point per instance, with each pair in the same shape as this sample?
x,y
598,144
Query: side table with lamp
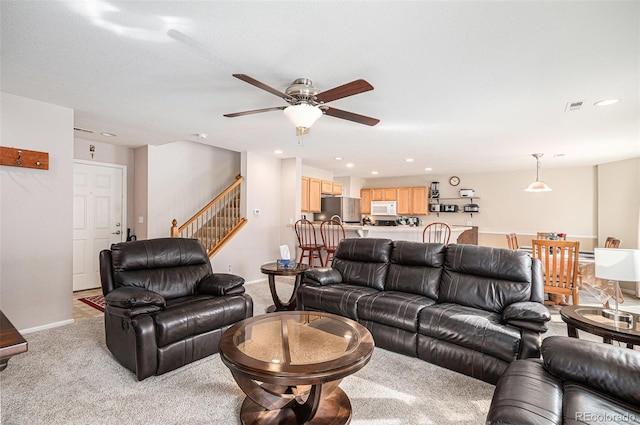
x,y
610,324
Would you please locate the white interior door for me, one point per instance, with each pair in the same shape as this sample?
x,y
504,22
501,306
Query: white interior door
x,y
98,218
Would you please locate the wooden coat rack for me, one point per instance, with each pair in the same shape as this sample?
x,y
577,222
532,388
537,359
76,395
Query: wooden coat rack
x,y
17,157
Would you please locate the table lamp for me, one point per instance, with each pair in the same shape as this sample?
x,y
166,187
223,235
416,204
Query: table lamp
x,y
618,264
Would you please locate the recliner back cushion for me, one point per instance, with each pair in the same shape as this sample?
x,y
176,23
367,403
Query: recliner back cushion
x,y
416,268
485,277
171,267
363,261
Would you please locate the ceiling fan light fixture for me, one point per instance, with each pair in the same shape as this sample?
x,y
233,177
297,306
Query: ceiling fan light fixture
x,y
537,185
302,115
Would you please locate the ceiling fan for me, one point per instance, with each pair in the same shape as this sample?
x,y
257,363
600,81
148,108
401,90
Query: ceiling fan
x,y
306,104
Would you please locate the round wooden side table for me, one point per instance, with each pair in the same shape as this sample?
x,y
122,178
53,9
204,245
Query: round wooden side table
x,y
590,319
275,269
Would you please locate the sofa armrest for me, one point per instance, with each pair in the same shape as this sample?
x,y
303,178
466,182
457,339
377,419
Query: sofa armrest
x,y
221,284
528,315
322,276
136,299
603,367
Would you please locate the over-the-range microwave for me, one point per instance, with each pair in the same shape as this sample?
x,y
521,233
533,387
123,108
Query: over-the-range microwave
x,y
383,207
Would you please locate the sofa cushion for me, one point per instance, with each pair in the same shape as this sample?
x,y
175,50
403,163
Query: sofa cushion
x,y
172,267
584,405
194,315
478,330
363,261
397,309
341,298
416,268
485,278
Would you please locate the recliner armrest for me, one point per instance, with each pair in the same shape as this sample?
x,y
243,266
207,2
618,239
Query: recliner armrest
x,y
221,284
130,297
613,370
322,276
528,315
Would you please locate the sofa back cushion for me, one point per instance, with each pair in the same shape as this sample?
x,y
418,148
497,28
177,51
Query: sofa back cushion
x,y
171,267
416,268
363,261
485,277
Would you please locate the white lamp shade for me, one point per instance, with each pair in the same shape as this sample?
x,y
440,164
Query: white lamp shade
x,y
538,186
302,115
617,264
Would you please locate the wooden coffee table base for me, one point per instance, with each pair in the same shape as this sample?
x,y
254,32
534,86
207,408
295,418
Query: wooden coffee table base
x,y
333,410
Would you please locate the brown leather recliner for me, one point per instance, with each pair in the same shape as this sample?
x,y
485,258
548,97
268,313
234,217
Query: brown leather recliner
x,y
165,307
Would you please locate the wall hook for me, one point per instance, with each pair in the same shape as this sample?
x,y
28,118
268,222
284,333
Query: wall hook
x,y
19,160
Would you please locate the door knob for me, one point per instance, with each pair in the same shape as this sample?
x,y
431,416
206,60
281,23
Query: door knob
x,y
117,232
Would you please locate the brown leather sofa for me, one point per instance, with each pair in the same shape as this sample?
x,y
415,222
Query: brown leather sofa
x,y
165,307
468,308
576,382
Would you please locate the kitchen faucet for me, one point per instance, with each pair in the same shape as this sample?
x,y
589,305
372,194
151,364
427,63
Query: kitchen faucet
x,y
337,217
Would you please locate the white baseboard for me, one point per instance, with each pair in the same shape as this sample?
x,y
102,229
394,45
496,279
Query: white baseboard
x,y
47,326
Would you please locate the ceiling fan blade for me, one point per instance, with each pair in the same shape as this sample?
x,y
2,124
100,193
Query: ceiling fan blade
x,y
349,89
254,111
339,113
263,86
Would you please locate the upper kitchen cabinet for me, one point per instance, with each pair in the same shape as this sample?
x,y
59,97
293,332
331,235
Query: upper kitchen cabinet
x,y
412,200
384,194
311,191
331,188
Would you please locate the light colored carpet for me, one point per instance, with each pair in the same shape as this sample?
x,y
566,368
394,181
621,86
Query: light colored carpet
x,y
69,377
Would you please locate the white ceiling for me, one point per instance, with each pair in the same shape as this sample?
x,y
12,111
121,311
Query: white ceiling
x,y
459,86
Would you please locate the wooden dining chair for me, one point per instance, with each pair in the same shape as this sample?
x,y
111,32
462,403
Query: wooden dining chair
x,y
560,268
307,242
437,232
512,241
547,235
612,242
332,233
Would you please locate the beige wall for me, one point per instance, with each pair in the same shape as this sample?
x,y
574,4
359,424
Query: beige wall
x,y
505,207
182,177
36,215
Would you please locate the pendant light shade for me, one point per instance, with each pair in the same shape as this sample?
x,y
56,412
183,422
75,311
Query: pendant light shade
x,y
538,186
302,115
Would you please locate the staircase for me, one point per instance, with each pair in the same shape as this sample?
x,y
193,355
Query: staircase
x,y
216,223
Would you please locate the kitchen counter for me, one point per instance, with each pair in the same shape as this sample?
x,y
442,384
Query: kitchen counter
x,y
404,233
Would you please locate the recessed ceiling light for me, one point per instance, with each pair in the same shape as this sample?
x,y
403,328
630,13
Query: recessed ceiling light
x,y
277,151
606,102
350,165
374,172
409,160
337,158
108,134
428,169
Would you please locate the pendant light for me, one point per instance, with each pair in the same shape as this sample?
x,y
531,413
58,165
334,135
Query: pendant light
x,y
538,186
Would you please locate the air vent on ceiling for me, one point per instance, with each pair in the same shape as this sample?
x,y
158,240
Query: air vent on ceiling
x,y
84,130
574,106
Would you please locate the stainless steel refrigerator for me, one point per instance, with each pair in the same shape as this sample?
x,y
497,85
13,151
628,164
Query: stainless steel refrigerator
x,y
348,209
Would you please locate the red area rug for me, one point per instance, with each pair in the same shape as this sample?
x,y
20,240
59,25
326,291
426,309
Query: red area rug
x,y
97,302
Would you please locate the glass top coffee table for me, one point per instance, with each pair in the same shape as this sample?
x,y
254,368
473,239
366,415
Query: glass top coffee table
x,y
289,364
590,319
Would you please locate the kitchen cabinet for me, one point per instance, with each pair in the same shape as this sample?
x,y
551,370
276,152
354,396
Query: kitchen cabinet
x,y
384,194
329,187
310,196
365,201
315,190
411,200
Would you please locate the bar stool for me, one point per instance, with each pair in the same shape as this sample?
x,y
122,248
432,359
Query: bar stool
x,y
307,242
332,233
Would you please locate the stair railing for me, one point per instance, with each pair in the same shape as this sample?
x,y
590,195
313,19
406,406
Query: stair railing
x,y
216,223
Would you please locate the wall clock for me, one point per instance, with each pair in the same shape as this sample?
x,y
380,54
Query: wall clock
x,y
454,180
